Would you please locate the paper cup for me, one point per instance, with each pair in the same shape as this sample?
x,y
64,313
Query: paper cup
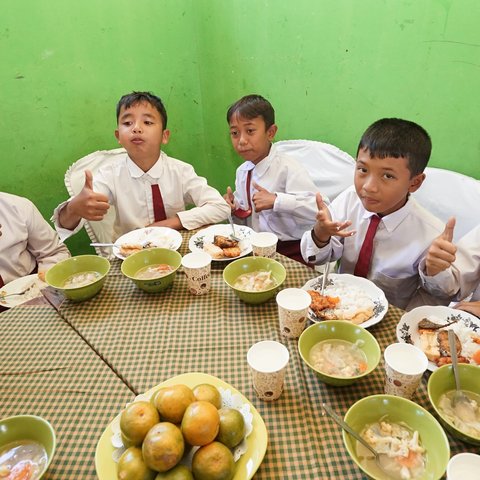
x,y
464,466
264,244
404,366
197,266
267,361
293,306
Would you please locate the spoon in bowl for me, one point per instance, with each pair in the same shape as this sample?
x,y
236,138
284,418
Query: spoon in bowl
x,y
460,402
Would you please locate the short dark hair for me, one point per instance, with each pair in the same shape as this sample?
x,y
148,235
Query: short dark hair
x,y
393,137
135,98
253,106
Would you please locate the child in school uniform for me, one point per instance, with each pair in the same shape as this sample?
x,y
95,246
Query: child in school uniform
x,y
273,192
147,187
28,243
454,271
375,227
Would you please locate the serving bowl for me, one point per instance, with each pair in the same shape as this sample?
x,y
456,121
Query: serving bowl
x,y
59,273
152,256
29,427
254,264
339,330
442,381
371,409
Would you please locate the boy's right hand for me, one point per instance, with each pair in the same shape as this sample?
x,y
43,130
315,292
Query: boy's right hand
x,y
441,253
229,198
324,226
89,204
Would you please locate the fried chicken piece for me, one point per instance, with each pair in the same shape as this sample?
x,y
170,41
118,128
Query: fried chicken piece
x,y
127,249
224,242
322,302
231,252
444,346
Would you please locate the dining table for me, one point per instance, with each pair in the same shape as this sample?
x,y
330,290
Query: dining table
x,y
79,364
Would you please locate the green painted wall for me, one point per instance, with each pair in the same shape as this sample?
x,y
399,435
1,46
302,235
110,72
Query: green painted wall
x,y
330,68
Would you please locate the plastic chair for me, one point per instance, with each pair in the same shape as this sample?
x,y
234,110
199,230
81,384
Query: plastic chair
x,y
98,232
330,168
450,194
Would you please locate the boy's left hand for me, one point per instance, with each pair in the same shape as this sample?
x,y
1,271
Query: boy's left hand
x,y
470,307
263,199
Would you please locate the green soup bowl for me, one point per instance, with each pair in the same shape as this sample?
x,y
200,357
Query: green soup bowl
x,y
394,409
254,264
442,381
30,428
339,330
62,271
152,256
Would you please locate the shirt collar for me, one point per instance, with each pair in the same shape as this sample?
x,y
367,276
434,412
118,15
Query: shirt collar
x,y
263,165
155,172
394,219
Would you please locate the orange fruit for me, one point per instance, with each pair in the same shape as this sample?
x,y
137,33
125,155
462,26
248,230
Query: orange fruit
x,y
180,472
213,462
209,393
163,447
136,420
131,466
172,402
232,427
200,423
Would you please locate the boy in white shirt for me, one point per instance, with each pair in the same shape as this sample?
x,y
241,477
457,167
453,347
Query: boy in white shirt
x,y
27,242
390,231
454,271
147,187
273,192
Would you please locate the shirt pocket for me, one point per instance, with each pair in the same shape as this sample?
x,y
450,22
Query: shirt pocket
x,y
398,290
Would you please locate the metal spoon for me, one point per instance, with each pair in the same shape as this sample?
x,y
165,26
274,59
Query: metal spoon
x,y
25,290
233,236
460,402
329,411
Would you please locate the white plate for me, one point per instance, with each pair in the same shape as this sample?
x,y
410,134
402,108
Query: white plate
x,y
407,330
18,285
378,297
206,236
162,237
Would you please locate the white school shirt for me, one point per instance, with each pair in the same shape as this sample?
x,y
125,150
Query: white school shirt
x,y
463,276
400,242
295,207
26,239
129,189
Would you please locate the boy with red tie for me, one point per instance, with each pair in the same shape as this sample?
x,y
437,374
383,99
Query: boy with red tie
x,y
273,192
390,232
147,187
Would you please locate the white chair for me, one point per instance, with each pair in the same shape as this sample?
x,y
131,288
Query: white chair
x,y
330,168
99,232
450,194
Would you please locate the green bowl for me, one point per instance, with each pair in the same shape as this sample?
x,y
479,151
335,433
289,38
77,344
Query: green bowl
x,y
254,264
371,409
339,330
28,427
442,381
57,275
151,256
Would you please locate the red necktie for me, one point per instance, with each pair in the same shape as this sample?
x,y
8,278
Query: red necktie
x,y
365,256
158,207
2,283
246,213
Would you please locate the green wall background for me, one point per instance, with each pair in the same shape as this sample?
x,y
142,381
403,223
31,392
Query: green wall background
x,y
329,67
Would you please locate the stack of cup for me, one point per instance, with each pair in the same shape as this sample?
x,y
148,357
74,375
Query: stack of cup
x,y
196,266
293,306
268,361
264,244
404,366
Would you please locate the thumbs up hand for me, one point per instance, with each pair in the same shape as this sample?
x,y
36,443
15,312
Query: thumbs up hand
x,y
229,198
441,253
89,204
262,199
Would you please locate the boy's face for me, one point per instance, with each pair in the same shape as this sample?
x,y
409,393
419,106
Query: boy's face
x,y
383,184
250,139
140,131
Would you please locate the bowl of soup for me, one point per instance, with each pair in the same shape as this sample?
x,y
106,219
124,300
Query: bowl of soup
x,y
339,352
409,440
80,277
27,446
254,279
462,420
152,270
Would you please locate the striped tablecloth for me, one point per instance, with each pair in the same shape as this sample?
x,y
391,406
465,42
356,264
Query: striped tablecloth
x,y
148,338
46,369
